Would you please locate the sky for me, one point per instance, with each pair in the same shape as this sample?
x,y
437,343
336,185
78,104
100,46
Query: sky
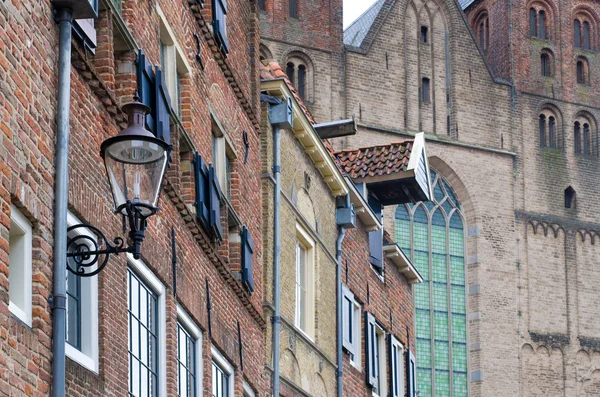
x,y
353,9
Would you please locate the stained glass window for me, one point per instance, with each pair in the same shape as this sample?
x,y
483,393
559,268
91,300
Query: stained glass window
x,y
433,234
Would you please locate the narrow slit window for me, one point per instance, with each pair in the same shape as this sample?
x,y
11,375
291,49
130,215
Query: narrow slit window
x,y
424,34
586,35
532,22
551,131
542,130
580,73
545,60
542,25
577,33
302,81
482,35
586,140
289,71
577,137
294,8
570,196
425,90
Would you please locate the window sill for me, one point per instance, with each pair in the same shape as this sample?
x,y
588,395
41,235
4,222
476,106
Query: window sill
x,y
81,358
20,314
380,276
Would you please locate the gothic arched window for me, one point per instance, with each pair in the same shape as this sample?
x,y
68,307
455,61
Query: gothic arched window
x,y
433,233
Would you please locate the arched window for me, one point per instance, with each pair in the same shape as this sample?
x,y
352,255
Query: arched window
x,y
433,235
580,73
532,22
583,71
586,35
261,4
577,33
542,130
587,144
577,137
293,8
542,25
302,80
546,66
290,71
551,131
482,34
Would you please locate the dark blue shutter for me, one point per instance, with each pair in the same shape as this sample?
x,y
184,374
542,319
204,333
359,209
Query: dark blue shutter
x,y
215,205
202,191
219,8
411,375
247,252
145,82
162,109
376,236
371,359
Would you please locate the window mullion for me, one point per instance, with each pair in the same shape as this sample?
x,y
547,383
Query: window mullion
x,y
449,297
431,303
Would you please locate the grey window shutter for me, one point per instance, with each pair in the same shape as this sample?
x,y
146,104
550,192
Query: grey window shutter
x,y
247,252
202,191
370,343
376,237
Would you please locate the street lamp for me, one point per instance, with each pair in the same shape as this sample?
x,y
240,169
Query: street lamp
x,y
135,162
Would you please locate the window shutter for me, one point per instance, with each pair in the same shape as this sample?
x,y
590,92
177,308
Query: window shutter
x,y
348,320
371,334
220,24
247,252
410,375
162,108
214,213
202,191
376,237
145,82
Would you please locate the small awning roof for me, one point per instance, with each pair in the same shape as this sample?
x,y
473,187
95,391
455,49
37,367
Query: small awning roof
x,y
396,255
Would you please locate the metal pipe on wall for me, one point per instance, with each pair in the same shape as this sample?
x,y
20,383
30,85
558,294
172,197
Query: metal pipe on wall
x,y
339,300
276,258
64,18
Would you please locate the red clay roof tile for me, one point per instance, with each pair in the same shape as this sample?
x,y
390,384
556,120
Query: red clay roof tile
x,y
375,160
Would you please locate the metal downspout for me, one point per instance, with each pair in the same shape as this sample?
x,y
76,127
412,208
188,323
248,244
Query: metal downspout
x,y
338,281
276,259
64,18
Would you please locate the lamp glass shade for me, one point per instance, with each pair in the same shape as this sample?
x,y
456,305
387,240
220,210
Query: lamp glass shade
x,y
135,166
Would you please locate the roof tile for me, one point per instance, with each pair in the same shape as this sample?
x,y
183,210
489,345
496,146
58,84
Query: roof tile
x,y
375,160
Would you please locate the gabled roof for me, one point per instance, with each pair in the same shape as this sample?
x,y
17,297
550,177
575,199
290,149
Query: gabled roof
x,y
376,160
357,31
464,4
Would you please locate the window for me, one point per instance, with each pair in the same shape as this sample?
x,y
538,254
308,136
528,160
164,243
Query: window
x,y
294,8
587,145
583,128
537,24
222,152
248,392
85,28
577,33
483,30
424,34
425,89
542,25
570,196
532,22
482,35
396,367
247,253
542,130
189,356
147,347
412,376
19,266
545,65
577,137
376,362
351,322
222,376
302,81
82,304
305,306
434,235
261,5
586,35
289,71
551,131
208,198
154,93
219,8
580,73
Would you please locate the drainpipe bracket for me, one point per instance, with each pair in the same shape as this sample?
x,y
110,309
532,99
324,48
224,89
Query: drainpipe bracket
x,y
275,319
276,169
57,302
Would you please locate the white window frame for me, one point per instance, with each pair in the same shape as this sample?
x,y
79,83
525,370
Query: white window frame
x,y
222,363
303,238
144,273
248,392
21,282
222,153
176,64
352,322
88,355
381,355
397,368
190,326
